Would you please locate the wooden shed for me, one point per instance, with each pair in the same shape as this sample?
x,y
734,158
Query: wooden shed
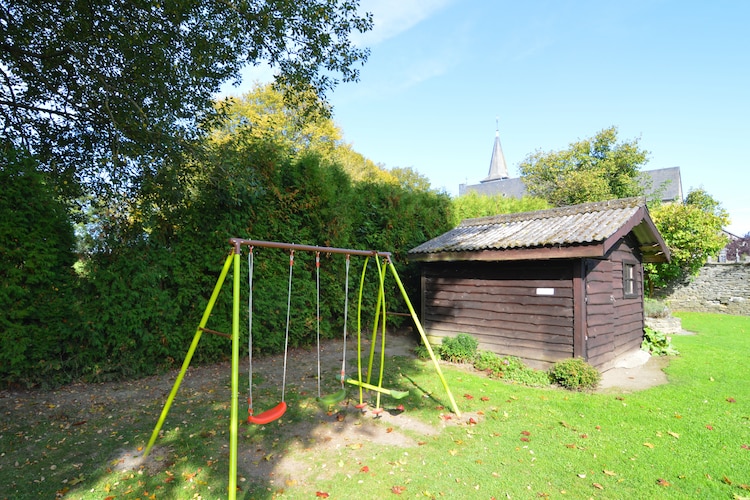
x,y
544,285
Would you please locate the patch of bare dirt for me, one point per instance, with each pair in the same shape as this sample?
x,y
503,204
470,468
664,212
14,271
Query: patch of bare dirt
x,y
306,449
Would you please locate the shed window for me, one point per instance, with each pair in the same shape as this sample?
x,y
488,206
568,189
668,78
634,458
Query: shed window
x,y
628,279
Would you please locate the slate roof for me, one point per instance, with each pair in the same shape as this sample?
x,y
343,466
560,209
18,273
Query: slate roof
x,y
667,182
589,229
513,188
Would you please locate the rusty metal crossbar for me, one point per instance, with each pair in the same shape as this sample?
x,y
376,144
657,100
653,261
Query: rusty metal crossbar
x,y
238,243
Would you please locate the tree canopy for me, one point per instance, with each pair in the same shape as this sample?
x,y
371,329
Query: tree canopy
x,y
264,115
693,231
103,90
595,169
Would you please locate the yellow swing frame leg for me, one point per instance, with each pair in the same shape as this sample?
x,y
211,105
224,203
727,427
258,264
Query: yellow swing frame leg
x,y
189,355
233,258
424,338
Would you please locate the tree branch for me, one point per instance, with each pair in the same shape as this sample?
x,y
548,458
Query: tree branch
x,y
30,107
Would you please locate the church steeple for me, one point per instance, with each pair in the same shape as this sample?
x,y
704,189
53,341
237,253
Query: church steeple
x,y
498,168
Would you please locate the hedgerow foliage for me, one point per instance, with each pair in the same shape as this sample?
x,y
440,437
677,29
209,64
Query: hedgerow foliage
x,y
39,328
473,205
148,265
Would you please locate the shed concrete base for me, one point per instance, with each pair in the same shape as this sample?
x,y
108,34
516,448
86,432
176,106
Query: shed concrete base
x,y
634,371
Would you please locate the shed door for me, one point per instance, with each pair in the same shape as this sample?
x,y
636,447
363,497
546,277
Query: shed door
x,y
600,311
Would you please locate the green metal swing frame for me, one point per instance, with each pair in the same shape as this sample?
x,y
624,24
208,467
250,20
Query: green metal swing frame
x,y
233,261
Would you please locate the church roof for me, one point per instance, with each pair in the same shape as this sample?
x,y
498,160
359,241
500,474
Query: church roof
x,y
666,182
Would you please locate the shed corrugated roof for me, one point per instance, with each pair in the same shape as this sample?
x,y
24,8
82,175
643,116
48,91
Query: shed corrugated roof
x,y
588,223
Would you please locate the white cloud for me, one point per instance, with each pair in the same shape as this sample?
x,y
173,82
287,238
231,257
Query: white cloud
x,y
393,17
262,73
390,18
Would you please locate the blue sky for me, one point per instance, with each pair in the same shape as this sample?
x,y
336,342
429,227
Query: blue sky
x,y
673,74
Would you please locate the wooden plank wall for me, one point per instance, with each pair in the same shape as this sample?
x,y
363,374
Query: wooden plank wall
x,y
629,314
600,312
614,322
498,303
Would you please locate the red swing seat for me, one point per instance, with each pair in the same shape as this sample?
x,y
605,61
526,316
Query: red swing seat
x,y
267,416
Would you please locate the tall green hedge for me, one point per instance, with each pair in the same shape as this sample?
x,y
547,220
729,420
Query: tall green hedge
x,y
40,335
147,265
147,285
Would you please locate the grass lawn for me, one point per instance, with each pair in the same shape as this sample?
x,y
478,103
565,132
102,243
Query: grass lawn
x,y
687,439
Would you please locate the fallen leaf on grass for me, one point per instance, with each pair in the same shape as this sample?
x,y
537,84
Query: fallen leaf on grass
x,y
726,480
189,477
321,494
673,434
745,447
598,486
526,433
76,480
364,469
648,445
609,472
710,427
485,398
398,489
662,482
731,400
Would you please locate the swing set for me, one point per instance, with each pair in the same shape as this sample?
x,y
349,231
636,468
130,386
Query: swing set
x,y
382,260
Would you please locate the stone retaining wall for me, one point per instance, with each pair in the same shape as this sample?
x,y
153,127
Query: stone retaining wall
x,y
718,287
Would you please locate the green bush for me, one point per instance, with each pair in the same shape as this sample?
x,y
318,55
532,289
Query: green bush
x,y
510,368
655,309
657,343
575,374
459,349
421,351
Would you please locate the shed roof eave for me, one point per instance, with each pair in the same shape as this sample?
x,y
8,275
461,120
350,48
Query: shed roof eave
x,y
540,253
643,228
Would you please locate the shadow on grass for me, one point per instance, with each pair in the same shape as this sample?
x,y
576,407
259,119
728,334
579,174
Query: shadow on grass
x,y
86,440
191,455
